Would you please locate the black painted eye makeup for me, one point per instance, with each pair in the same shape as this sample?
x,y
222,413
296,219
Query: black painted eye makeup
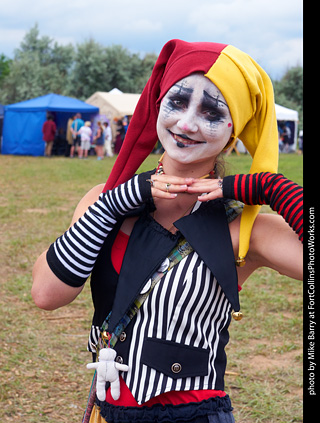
x,y
179,97
214,100
213,108
212,113
178,102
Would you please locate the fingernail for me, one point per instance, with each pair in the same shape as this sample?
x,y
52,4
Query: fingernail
x,y
183,186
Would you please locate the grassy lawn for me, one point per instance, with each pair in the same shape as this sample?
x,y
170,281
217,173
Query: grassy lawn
x,y
43,377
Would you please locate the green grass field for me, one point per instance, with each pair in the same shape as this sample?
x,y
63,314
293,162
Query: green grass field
x,y
43,354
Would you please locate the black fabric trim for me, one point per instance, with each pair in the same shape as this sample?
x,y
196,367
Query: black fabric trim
x,y
60,271
169,413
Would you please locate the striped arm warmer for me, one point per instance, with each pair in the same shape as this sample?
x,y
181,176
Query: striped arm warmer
x,y
284,196
72,256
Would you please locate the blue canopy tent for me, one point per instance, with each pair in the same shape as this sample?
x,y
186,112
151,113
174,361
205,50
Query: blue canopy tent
x,y
22,125
1,123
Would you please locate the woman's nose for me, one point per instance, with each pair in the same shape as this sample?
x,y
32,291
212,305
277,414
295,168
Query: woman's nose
x,y
187,122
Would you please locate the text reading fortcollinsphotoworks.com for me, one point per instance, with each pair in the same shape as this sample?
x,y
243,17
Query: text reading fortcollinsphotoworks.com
x,y
311,304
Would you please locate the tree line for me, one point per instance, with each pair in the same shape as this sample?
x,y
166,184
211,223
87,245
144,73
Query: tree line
x,y
40,66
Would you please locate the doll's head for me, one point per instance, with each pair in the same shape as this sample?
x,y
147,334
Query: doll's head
x,y
107,354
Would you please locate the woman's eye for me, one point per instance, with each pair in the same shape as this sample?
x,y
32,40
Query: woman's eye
x,y
178,103
212,115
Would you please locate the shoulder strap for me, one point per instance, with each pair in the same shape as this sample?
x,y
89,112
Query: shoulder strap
x,y
109,340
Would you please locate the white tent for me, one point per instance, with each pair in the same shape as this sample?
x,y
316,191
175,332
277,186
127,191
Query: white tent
x,y
283,114
114,104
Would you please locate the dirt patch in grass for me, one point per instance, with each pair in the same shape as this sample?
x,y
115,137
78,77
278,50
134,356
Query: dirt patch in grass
x,y
283,361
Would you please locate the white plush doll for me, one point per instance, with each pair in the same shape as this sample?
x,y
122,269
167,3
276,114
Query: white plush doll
x,y
108,371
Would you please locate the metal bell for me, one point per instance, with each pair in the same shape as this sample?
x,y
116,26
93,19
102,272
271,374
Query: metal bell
x,y
237,315
241,261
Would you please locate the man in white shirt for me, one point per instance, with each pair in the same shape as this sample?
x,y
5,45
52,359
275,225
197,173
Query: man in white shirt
x,y
108,139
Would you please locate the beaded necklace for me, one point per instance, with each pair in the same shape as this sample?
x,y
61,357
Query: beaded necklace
x,y
160,171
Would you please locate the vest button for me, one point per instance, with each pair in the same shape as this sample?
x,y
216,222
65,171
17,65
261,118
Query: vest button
x,y
122,337
119,359
146,287
176,368
164,265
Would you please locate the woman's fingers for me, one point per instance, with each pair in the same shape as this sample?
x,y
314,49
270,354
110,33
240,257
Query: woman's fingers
x,y
174,180
167,190
208,189
165,186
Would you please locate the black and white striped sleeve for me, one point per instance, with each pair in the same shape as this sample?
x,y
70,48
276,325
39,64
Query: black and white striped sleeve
x,y
73,255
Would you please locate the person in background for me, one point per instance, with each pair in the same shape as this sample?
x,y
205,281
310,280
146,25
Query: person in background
x,y
60,143
120,135
286,138
75,127
69,135
99,141
300,141
85,133
49,129
125,123
108,139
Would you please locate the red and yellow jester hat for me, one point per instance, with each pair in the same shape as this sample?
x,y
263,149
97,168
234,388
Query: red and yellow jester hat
x,y
247,90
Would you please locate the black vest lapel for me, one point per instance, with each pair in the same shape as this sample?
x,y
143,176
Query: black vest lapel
x,y
145,252
208,233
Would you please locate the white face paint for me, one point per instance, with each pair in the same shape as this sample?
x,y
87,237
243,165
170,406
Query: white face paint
x,y
194,122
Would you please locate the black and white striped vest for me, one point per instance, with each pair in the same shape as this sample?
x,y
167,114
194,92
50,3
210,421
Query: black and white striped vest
x,y
177,340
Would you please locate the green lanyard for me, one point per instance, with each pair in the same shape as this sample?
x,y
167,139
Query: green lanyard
x,y
109,340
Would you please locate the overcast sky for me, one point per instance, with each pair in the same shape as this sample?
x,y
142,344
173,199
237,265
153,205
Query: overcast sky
x,y
269,30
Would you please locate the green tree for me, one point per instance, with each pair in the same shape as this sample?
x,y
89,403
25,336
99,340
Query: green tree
x,y
40,66
289,91
128,72
98,68
4,67
291,85
122,68
146,66
89,70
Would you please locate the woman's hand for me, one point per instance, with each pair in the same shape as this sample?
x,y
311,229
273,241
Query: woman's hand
x,y
208,189
166,186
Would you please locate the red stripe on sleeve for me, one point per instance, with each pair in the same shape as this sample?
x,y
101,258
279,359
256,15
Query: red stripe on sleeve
x,y
236,179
